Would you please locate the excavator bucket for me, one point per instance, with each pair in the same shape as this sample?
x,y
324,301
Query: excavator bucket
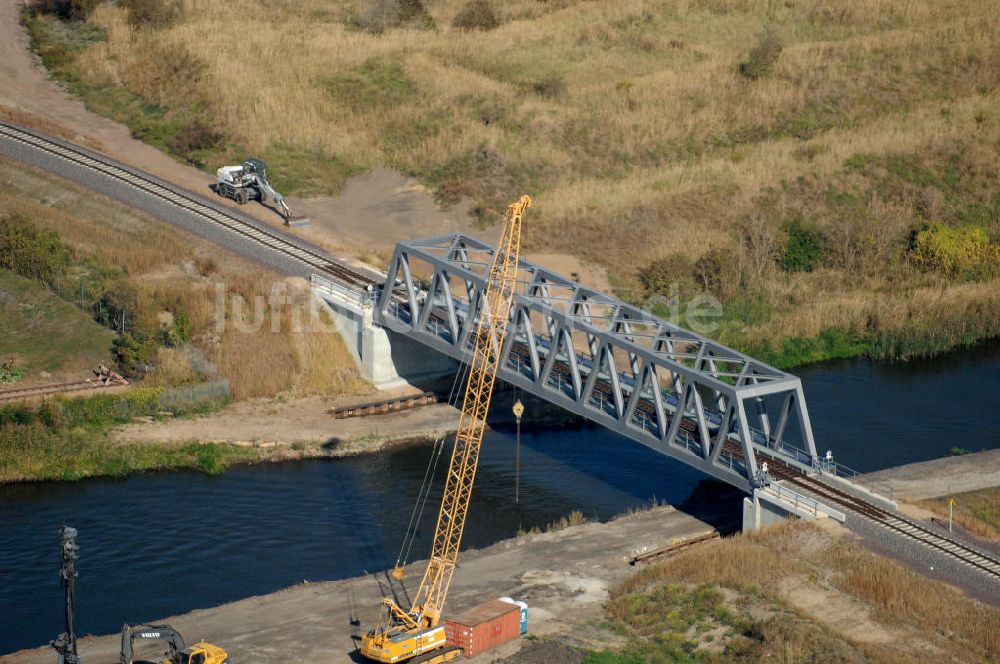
x,y
297,221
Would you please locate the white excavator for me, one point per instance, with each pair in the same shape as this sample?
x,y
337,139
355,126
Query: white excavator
x,y
248,182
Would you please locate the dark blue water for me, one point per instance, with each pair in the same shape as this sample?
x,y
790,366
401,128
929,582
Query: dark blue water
x,y
874,415
159,544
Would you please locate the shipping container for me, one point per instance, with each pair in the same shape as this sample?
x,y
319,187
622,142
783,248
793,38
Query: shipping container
x,y
483,627
524,612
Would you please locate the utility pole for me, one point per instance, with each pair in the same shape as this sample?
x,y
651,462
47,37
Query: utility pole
x,y
65,643
518,412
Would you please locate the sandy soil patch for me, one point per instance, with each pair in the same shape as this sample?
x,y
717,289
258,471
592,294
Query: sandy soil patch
x,y
940,477
845,615
305,423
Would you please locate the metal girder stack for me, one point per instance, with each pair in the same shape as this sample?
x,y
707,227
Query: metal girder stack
x,y
608,361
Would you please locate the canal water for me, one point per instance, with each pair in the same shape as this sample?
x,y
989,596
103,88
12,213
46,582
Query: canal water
x,y
159,544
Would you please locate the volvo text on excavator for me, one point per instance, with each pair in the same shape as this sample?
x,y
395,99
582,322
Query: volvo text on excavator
x,y
177,651
415,634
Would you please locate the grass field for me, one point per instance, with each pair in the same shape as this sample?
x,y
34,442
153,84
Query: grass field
x,y
977,511
835,185
44,333
68,439
793,593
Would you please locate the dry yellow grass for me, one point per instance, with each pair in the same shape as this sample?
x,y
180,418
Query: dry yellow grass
x,y
631,122
911,614
177,273
977,511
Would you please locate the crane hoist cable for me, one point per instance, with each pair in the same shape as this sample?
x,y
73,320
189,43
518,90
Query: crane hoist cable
x,y
428,481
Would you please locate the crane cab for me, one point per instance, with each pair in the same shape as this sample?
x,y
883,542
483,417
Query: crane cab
x,y
397,645
202,653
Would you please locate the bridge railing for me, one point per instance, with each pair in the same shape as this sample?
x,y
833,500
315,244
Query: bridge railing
x,y
770,443
880,487
802,502
364,299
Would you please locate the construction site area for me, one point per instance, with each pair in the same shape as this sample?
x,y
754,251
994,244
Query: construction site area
x,y
560,332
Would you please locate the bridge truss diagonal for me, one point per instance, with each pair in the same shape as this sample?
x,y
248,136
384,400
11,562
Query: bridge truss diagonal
x,y
610,362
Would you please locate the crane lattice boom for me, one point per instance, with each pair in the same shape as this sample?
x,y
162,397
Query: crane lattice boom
x,y
401,634
490,331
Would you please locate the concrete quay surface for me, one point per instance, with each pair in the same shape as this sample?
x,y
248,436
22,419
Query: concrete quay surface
x,y
941,477
564,576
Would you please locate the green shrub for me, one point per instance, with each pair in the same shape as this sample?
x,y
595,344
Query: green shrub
x,y
955,250
178,333
550,86
133,352
377,83
803,249
709,270
664,276
31,253
74,10
118,307
9,373
150,13
763,56
476,15
382,15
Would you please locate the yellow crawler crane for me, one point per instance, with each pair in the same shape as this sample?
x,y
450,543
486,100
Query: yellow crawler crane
x,y
415,635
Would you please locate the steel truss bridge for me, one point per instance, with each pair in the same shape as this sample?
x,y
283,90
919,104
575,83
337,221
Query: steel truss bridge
x,y
607,361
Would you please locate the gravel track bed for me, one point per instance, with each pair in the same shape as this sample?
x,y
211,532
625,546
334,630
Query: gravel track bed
x,y
927,560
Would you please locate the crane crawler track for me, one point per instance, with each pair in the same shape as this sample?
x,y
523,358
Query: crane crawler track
x,y
312,258
963,553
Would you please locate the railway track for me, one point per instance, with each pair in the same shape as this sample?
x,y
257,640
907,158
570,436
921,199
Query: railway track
x,y
311,258
916,532
55,388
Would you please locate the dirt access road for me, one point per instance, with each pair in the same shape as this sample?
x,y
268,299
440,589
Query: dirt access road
x,y
564,576
373,212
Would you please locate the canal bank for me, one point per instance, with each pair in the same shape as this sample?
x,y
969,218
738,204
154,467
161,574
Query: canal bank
x,y
565,576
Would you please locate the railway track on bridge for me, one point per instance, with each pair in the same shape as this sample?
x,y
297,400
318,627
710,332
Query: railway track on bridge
x,y
311,258
964,554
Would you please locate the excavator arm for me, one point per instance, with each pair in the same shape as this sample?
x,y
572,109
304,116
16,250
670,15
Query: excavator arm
x,y
266,187
258,170
151,632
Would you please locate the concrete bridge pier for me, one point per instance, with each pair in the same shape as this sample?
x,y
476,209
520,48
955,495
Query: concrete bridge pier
x,y
385,358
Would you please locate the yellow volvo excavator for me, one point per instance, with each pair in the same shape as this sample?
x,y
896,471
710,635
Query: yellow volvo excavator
x,y
178,652
415,634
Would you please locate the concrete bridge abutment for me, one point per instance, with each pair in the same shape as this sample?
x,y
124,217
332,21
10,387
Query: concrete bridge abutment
x,y
385,358
773,503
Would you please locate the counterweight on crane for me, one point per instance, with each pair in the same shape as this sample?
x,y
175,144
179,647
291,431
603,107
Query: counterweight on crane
x,y
404,634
